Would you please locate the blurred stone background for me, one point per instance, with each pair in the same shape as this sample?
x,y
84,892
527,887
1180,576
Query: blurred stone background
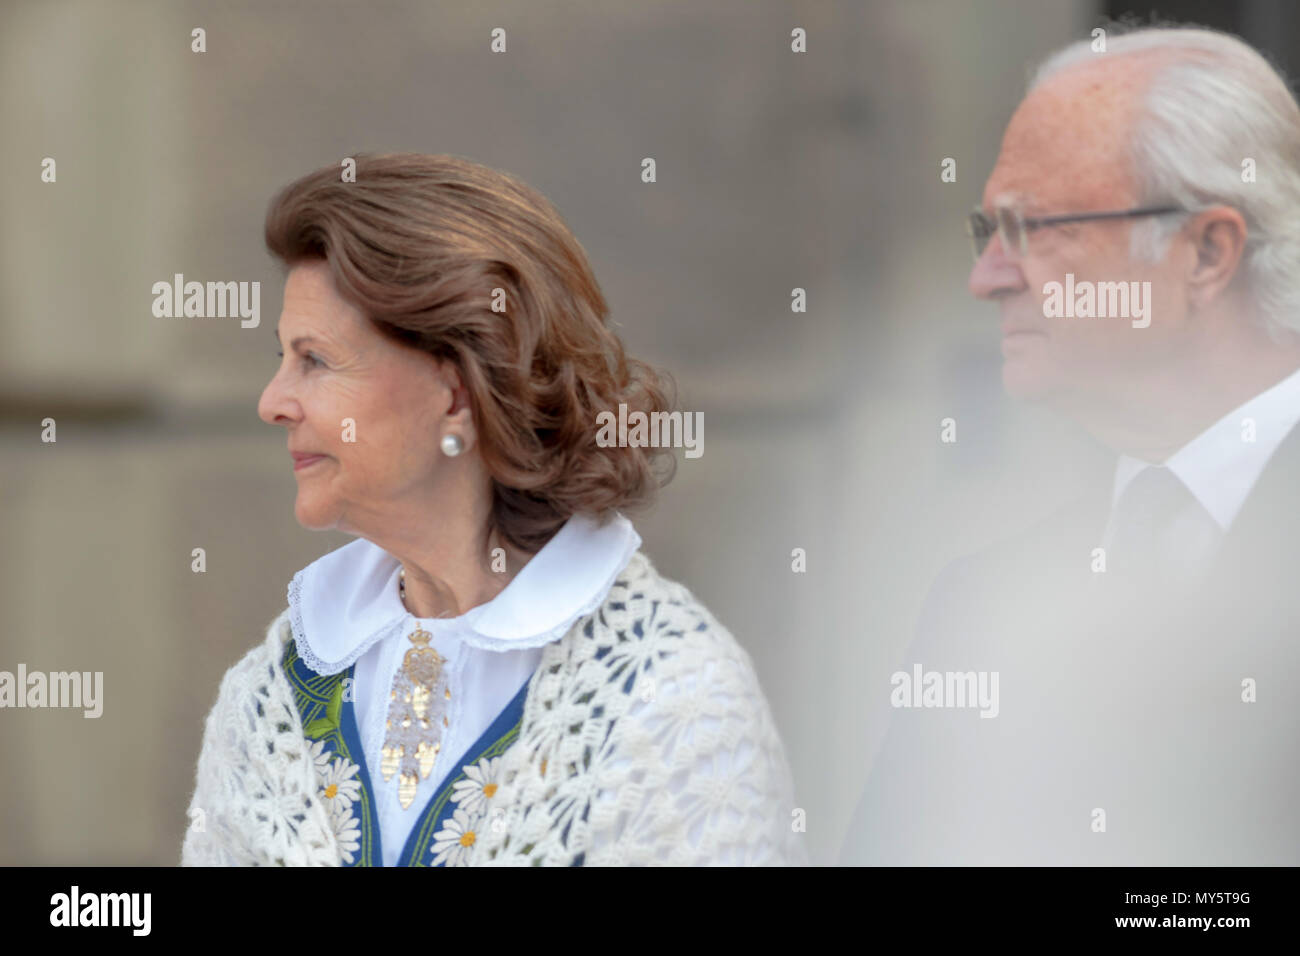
x,y
775,170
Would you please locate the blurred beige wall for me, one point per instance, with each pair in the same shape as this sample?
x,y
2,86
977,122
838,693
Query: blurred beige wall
x,y
775,171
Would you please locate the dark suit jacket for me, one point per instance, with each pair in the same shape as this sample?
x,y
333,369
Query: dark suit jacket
x,y
1113,697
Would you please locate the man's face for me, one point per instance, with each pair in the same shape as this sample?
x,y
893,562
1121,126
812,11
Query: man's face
x,y
1064,151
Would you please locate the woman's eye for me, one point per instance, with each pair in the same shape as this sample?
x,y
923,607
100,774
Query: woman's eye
x,y
309,358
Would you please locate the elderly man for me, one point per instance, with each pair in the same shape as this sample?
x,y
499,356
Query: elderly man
x,y
1143,645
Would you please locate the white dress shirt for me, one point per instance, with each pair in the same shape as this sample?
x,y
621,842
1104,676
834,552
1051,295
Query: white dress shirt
x,y
345,609
1219,467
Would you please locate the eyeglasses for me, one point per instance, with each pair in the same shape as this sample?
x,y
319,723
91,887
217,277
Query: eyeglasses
x,y
1015,227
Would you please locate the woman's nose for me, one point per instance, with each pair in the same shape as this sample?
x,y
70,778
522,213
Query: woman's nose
x,y
275,403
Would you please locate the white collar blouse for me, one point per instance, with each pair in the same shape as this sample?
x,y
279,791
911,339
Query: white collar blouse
x,y
345,609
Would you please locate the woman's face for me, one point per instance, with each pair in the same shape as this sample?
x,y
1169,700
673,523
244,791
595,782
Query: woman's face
x,y
371,411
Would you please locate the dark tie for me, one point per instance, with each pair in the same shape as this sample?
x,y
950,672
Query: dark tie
x,y
1143,516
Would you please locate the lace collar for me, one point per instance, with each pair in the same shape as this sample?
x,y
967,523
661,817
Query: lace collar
x,y
345,602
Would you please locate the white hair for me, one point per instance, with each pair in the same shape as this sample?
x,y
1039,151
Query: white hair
x,y
1213,102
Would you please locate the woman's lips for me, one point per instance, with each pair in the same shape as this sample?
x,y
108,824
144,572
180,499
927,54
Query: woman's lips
x,y
302,461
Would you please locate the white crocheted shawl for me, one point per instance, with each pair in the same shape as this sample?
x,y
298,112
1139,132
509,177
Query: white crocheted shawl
x,y
645,739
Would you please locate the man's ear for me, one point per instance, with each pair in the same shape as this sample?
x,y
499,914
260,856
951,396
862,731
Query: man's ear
x,y
1218,237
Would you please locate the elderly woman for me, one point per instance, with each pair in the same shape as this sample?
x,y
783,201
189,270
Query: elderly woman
x,y
492,673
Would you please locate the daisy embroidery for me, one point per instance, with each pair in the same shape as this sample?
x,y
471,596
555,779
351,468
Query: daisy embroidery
x,y
320,757
346,830
452,844
474,793
338,783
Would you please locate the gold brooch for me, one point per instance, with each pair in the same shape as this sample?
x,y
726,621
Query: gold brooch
x,y
416,716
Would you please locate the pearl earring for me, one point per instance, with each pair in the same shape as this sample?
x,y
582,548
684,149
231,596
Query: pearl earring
x,y
452,445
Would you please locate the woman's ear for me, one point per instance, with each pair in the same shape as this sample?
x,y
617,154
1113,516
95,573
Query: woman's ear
x,y
459,411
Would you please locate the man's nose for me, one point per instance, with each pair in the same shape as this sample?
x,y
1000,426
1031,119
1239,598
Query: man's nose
x,y
993,274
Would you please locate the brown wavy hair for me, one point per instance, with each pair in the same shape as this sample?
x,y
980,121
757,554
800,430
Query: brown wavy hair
x,y
418,243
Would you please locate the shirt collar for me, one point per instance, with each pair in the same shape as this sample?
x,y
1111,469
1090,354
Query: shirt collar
x,y
343,603
1217,466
